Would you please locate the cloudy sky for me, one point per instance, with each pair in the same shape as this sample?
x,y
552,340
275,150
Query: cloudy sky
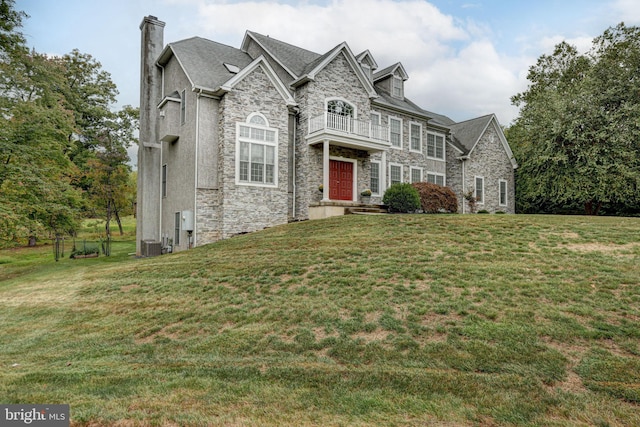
x,y
465,58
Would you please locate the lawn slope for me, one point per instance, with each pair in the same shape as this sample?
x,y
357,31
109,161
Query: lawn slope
x,y
400,320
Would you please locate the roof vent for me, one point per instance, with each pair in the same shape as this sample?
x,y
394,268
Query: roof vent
x,y
232,68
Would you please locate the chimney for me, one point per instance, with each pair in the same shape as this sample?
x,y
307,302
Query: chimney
x,y
149,148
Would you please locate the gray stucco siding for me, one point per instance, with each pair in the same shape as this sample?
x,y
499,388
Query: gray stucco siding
x,y
178,156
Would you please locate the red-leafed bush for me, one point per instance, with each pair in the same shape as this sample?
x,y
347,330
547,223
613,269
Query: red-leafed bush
x,y
435,198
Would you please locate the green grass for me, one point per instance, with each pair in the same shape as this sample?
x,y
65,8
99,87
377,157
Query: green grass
x,y
358,320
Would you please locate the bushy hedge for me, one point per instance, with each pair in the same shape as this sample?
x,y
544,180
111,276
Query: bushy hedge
x,y
435,198
401,197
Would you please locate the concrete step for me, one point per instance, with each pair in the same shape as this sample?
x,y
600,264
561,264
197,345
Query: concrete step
x,y
366,210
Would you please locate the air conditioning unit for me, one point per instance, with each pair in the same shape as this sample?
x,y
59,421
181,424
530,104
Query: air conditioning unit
x,y
151,248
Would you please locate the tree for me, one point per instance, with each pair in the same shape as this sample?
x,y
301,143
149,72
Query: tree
x,y
35,174
10,21
576,137
108,172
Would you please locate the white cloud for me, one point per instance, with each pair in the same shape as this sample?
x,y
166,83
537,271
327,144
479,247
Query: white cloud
x,y
628,11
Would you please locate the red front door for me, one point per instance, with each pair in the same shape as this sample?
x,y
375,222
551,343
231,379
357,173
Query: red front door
x,y
340,180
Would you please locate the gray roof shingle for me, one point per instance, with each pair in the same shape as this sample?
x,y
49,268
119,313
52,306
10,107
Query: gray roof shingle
x,y
203,61
468,132
293,57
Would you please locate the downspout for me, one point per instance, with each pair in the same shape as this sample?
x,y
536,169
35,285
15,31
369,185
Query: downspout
x,y
463,159
195,187
295,132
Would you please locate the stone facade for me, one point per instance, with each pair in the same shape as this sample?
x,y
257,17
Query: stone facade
x,y
244,207
201,153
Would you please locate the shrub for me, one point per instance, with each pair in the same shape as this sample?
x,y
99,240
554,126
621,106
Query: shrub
x,y
436,198
401,197
483,211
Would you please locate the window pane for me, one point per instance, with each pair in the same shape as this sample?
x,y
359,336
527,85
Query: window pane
x,y
375,119
245,131
396,139
479,189
269,178
375,178
257,170
244,171
270,136
244,151
503,193
415,137
439,147
440,180
416,175
257,134
258,120
270,157
431,145
395,174
257,153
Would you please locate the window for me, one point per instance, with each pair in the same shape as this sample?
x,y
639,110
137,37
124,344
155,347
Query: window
x,y
395,129
435,178
435,146
257,159
503,192
375,118
395,174
479,189
375,178
176,231
396,87
164,180
415,136
183,107
339,107
416,175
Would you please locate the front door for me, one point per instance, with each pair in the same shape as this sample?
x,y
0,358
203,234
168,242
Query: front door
x,y
340,180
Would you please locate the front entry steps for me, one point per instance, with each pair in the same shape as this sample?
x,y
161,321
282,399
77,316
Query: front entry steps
x,y
367,210
326,209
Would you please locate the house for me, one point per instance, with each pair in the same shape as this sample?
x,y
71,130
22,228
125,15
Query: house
x,y
233,140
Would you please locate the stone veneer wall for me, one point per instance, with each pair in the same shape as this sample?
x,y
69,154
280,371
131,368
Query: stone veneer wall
x,y
454,175
336,80
489,160
208,223
246,208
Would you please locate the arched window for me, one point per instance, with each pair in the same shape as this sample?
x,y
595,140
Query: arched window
x,y
340,107
256,157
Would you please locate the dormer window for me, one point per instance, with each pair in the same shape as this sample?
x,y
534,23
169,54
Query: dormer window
x,y
367,70
396,87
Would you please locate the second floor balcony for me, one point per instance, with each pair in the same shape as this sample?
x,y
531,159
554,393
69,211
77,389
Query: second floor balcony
x,y
348,132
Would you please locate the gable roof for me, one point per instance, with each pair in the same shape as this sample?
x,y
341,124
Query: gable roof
x,y
203,61
266,67
364,55
292,58
390,71
468,133
313,68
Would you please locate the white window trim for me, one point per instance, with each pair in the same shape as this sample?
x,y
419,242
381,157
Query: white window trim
x,y
475,191
401,173
444,147
444,177
339,98
411,169
401,132
177,228
419,150
354,188
397,80
266,143
375,113
506,192
380,172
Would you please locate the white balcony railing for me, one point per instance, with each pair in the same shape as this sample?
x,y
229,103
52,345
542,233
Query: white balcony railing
x,y
349,126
